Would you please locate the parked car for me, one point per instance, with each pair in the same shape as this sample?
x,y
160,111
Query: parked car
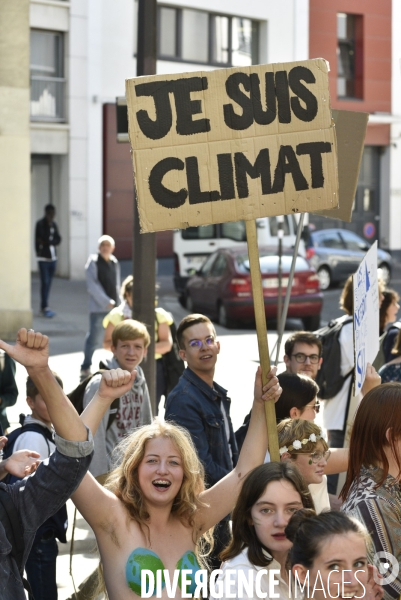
x,y
337,253
222,287
194,244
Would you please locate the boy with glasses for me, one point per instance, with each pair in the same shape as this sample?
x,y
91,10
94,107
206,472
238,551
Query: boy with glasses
x,y
199,403
303,354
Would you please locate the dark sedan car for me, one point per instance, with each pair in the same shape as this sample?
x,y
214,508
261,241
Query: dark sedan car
x,y
337,253
222,287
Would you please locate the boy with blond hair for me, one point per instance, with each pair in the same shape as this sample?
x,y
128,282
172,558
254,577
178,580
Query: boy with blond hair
x,y
130,341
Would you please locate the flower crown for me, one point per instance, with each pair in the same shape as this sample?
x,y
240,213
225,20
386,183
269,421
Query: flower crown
x,y
297,444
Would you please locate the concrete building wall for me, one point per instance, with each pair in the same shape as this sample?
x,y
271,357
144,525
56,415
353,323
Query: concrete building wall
x,y
50,141
15,230
77,58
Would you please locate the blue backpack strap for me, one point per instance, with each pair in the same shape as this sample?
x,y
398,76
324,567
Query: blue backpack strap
x,y
14,435
45,431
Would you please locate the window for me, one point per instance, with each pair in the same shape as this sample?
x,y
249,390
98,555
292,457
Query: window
x,y
269,264
168,24
219,267
194,35
234,231
273,223
353,241
47,76
331,240
349,56
200,37
205,232
207,265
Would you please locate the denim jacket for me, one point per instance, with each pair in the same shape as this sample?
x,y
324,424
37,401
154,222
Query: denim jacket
x,y
36,498
196,406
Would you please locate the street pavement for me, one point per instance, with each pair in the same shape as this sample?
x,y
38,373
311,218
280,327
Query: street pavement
x,y
235,371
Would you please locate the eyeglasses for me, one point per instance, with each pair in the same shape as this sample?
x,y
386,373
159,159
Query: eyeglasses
x,y
209,341
300,357
316,407
316,456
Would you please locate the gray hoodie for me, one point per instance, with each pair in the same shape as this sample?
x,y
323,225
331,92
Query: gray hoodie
x,y
134,411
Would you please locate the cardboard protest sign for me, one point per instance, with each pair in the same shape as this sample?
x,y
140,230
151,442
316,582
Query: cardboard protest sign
x,y
232,144
350,131
366,315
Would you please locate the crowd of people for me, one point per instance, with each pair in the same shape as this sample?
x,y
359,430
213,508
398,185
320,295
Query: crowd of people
x,y
189,495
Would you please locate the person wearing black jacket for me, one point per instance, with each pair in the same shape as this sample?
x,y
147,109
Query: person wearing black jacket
x,y
8,388
47,237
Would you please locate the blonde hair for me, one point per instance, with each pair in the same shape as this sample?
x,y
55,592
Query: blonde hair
x,y
130,330
290,430
123,481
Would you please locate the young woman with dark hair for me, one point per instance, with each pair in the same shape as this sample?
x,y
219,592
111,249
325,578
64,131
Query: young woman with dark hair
x,y
372,489
298,399
329,556
270,495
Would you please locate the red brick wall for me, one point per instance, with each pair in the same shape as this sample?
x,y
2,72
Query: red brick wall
x,y
118,192
376,45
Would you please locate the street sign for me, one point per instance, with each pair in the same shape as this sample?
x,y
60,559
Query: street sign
x,y
232,144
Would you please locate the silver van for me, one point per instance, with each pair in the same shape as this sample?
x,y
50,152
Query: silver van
x,y
192,245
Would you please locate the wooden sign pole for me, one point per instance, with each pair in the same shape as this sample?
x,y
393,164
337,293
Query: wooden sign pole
x,y
261,331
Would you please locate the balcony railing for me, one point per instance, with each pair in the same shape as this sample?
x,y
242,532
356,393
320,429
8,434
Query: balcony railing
x,y
47,98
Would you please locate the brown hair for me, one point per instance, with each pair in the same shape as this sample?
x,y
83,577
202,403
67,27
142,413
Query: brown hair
x,y
347,297
308,532
390,296
378,413
255,483
290,430
31,389
130,330
303,337
189,321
